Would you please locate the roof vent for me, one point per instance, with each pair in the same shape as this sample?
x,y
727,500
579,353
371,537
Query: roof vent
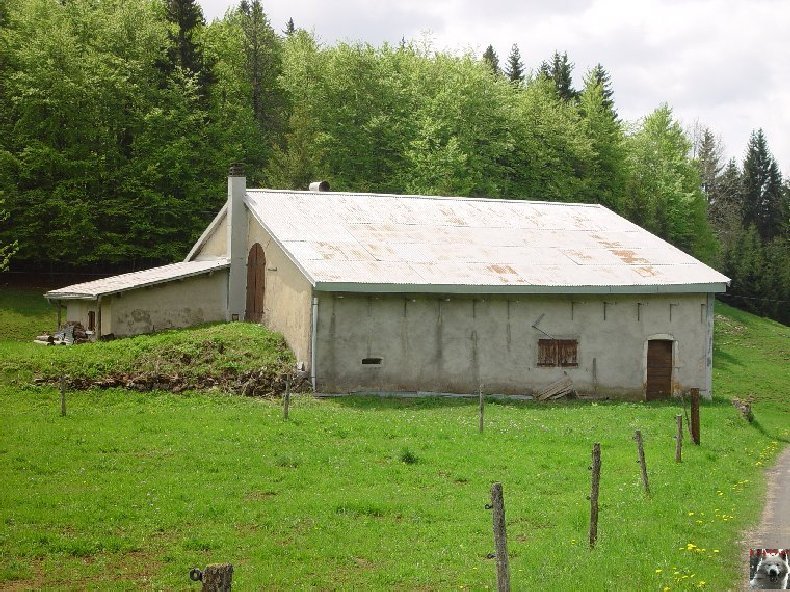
x,y
319,186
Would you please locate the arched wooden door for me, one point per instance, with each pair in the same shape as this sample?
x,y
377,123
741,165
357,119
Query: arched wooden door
x,y
256,283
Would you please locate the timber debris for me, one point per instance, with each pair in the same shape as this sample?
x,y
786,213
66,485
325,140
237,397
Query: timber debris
x,y
254,383
71,333
557,390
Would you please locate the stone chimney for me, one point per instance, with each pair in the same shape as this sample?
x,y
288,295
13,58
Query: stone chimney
x,y
237,242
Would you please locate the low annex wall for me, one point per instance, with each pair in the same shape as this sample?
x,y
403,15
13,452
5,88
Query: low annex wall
x,y
175,304
454,343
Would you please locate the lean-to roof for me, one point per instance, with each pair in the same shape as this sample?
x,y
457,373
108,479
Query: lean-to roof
x,y
137,279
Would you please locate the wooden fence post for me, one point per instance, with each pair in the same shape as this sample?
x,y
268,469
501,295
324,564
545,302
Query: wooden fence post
x,y
63,395
287,397
695,415
217,577
596,480
482,408
642,465
500,538
679,438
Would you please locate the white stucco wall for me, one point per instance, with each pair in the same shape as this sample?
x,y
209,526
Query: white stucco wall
x,y
216,244
78,310
179,303
453,343
288,295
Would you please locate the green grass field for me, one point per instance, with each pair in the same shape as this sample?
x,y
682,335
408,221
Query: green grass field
x,y
130,490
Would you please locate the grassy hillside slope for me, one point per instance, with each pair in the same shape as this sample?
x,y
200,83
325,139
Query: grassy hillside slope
x,y
131,489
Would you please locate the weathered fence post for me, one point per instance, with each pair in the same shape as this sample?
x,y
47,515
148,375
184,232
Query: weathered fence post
x,y
596,480
643,466
63,395
679,438
217,577
500,538
695,415
482,408
287,397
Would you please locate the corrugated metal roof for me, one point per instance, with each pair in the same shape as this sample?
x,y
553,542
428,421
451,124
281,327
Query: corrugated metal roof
x,y
416,243
137,279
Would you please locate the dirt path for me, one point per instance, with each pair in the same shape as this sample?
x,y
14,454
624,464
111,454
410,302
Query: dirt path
x,y
773,532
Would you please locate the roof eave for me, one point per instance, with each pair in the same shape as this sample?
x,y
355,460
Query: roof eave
x,y
69,296
520,289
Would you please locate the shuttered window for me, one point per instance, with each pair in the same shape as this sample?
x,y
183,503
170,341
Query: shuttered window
x,y
557,352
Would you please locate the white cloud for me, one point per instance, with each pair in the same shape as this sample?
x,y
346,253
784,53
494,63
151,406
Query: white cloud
x,y
720,62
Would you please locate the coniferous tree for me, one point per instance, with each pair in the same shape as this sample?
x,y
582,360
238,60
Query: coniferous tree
x,y
515,67
290,28
490,58
607,171
263,64
600,76
725,204
762,189
709,164
560,71
183,50
743,264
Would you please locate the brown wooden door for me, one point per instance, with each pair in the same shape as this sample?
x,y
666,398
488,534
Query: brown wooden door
x,y
659,369
256,283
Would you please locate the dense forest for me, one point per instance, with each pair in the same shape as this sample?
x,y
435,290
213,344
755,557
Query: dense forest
x,y
118,119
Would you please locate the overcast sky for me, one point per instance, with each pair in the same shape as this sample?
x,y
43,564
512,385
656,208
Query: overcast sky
x,y
722,63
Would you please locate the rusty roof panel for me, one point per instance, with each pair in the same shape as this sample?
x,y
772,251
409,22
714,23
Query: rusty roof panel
x,y
410,242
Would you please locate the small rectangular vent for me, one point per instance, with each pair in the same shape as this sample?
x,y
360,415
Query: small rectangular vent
x,y
371,361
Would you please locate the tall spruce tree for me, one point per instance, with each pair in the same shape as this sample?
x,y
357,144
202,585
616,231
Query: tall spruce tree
x,y
607,170
600,76
290,28
709,164
560,71
762,189
264,64
490,58
515,67
184,50
725,204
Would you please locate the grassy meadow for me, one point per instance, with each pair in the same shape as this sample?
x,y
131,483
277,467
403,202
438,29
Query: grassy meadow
x,y
132,489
